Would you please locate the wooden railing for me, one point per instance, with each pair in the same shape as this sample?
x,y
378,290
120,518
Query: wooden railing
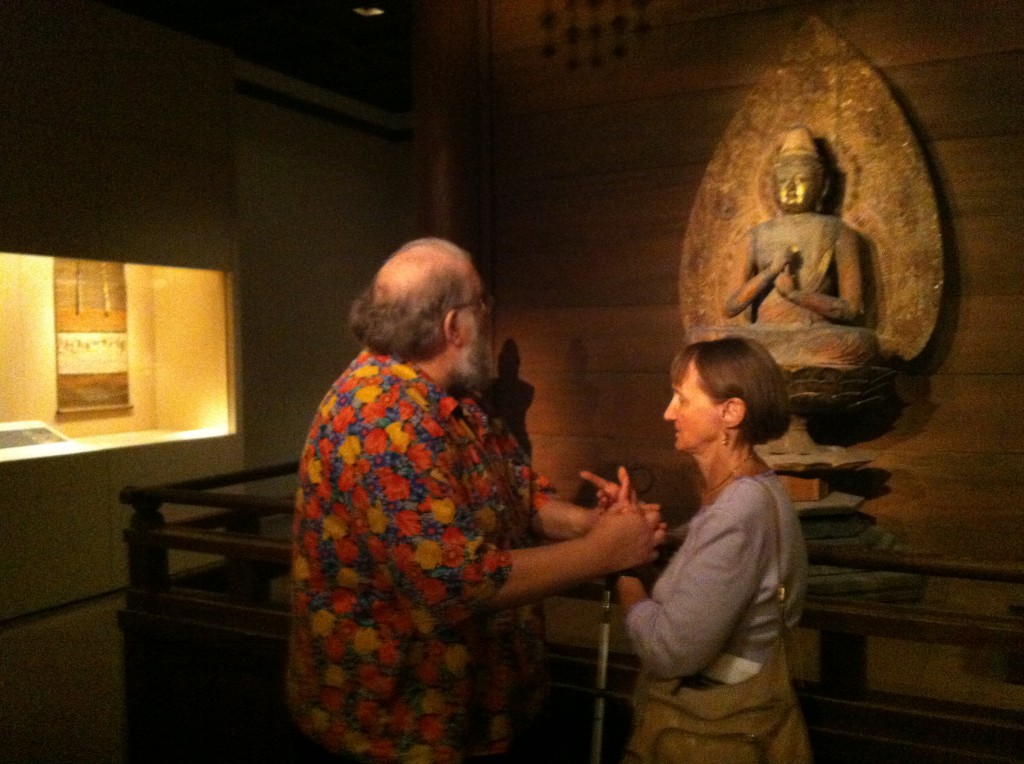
x,y
849,721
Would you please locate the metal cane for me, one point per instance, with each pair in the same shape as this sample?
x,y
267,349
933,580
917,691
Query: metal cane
x,y
597,732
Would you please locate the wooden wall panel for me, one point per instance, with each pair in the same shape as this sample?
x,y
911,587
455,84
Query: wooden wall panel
x,y
595,139
599,404
952,500
988,251
899,33
976,96
980,176
694,45
637,199
986,337
594,339
705,54
593,175
662,474
594,240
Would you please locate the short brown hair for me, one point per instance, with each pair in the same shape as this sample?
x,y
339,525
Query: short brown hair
x,y
736,367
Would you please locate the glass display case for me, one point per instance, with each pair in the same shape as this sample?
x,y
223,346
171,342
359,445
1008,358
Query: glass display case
x,y
104,355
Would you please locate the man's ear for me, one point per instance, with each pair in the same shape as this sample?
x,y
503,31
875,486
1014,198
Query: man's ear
x,y
734,411
455,330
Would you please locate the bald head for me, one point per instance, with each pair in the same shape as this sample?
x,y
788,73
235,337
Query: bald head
x,y
411,269
402,312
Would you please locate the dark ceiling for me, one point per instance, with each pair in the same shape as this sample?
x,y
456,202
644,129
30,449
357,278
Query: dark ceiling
x,y
322,42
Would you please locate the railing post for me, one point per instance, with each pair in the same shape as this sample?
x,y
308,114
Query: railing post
x,y
148,567
1015,660
843,664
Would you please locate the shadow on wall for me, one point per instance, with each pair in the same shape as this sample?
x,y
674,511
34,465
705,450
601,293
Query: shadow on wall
x,y
511,396
660,476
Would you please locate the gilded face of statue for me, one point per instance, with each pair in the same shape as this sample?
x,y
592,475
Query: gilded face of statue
x,y
799,184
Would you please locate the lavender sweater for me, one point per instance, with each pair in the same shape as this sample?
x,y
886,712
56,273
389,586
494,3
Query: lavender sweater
x,y
717,594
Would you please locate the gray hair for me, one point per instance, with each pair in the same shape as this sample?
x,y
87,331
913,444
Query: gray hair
x,y
408,322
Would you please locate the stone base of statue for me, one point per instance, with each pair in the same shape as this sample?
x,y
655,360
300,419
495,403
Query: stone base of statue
x,y
803,345
825,390
838,519
828,516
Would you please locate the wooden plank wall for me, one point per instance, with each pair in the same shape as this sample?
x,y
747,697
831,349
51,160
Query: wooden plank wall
x,y
594,170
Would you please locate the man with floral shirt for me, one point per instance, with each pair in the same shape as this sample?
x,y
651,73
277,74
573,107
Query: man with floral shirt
x,y
423,540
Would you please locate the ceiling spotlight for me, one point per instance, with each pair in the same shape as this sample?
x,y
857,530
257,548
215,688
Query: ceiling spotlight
x,y
368,10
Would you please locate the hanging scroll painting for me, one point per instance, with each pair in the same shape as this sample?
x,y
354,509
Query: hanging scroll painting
x,y
91,305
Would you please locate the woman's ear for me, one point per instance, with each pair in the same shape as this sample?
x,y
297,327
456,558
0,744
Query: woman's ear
x,y
734,410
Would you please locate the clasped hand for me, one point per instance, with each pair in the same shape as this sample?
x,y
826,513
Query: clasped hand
x,y
620,518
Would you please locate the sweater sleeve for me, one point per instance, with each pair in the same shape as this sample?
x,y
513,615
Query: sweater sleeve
x,y
708,586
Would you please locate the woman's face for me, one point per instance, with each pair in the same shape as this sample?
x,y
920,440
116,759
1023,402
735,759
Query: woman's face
x,y
697,418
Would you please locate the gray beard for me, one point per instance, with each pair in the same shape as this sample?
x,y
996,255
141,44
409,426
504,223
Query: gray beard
x,y
473,372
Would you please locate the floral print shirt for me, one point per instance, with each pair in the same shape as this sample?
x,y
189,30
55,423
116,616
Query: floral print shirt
x,y
408,505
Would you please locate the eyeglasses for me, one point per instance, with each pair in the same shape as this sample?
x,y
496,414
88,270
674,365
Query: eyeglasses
x,y
485,302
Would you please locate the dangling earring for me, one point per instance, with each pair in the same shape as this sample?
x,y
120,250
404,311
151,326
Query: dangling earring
x,y
725,438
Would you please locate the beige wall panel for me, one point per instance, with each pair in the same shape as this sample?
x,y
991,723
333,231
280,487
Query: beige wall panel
x,y
105,72
61,520
169,208
313,195
118,141
59,544
49,204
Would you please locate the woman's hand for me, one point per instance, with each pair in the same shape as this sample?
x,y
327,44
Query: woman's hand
x,y
630,590
624,539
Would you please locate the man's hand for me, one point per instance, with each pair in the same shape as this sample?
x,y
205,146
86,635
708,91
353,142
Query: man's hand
x,y
607,491
624,540
621,496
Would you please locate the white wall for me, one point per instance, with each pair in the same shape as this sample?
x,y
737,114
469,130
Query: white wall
x,y
126,141
322,204
118,145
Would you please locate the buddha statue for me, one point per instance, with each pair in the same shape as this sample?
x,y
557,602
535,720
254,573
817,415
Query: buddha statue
x,y
800,287
801,280
815,232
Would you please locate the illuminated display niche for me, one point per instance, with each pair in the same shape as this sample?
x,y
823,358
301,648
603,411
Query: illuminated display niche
x,y
105,360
